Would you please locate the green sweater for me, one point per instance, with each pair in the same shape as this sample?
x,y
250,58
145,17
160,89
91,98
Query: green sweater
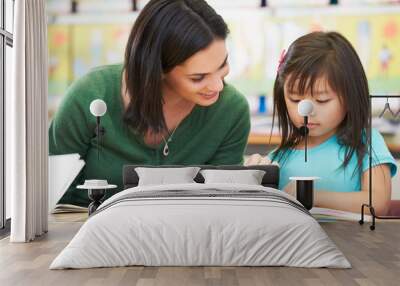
x,y
215,135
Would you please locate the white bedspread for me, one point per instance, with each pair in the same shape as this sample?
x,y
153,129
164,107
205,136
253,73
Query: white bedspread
x,y
268,228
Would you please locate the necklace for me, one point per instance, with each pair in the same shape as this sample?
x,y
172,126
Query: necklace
x,y
166,148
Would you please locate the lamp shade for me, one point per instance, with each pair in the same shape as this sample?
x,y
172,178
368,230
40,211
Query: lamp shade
x,y
305,107
98,107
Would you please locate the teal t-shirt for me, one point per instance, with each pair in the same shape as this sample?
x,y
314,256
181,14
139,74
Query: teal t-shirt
x,y
325,161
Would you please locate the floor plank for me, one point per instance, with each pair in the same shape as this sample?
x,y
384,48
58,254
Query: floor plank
x,y
375,257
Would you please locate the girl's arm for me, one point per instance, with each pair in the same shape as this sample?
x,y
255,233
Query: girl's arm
x,y
381,193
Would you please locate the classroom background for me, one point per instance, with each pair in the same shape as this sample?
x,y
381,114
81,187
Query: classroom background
x,y
88,33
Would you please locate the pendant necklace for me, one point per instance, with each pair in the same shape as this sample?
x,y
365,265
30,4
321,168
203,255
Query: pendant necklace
x,y
166,148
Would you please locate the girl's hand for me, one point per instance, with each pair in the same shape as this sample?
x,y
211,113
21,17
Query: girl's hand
x,y
256,159
291,188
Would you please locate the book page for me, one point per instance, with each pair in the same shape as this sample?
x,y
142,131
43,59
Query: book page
x,y
63,170
325,214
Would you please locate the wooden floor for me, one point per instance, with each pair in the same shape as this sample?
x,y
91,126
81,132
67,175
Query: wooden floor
x,y
375,257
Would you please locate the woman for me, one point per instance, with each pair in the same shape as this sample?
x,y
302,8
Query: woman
x,y
167,104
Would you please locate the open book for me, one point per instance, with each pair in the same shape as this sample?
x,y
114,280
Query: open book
x,y
63,170
326,215
67,208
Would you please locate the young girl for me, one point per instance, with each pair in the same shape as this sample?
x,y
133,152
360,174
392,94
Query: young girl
x,y
324,68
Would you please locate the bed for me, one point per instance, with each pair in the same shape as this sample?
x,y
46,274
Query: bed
x,y
201,223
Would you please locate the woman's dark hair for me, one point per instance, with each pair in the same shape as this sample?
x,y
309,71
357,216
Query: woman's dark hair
x,y
328,55
165,34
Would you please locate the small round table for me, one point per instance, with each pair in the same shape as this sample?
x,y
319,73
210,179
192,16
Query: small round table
x,y
96,192
305,190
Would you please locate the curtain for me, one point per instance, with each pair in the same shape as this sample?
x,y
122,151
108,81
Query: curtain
x,y
27,123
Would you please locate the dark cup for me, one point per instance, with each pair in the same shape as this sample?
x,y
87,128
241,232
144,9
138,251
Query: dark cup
x,y
305,193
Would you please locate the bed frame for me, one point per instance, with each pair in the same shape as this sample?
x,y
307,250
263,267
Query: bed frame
x,y
270,179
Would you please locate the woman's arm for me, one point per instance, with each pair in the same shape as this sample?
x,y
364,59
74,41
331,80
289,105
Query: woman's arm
x,y
70,131
231,150
381,193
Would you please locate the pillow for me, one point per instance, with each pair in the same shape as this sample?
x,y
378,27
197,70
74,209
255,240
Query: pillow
x,y
248,177
163,176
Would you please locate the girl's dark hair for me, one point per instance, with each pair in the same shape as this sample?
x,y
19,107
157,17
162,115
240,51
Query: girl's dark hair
x,y
329,55
165,34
